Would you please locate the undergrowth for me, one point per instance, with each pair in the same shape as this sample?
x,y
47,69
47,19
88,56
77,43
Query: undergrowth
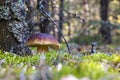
x,y
99,66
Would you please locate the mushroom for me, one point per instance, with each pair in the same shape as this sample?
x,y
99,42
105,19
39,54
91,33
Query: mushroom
x,y
43,42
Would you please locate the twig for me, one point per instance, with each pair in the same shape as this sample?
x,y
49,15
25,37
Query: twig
x,y
74,15
44,12
60,32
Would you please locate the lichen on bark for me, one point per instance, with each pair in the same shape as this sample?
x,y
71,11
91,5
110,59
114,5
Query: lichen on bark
x,y
19,29
4,12
13,14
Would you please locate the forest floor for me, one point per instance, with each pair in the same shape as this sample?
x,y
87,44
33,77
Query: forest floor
x,y
59,65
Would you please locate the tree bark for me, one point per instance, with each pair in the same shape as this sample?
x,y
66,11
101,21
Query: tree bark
x,y
105,29
31,12
85,30
61,15
44,20
53,16
13,27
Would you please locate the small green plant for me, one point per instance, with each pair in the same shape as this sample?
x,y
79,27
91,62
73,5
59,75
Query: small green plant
x,y
96,66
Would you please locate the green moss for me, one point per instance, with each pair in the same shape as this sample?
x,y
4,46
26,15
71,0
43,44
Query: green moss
x,y
95,67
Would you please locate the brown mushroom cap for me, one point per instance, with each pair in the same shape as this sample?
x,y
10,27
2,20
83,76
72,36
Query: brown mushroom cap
x,y
41,40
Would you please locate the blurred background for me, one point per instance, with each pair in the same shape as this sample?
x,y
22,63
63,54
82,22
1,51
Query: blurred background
x,y
79,21
83,21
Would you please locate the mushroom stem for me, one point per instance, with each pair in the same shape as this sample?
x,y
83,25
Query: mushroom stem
x,y
41,49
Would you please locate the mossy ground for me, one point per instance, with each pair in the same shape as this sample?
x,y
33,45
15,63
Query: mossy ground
x,y
98,66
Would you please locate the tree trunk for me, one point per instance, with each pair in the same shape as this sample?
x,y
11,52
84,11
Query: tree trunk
x,y
105,29
85,29
61,19
44,20
31,12
53,16
13,28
